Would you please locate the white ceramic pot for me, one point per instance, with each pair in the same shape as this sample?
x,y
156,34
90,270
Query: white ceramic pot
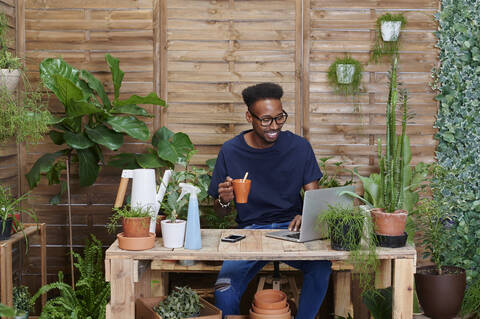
x,y
390,30
173,234
345,73
9,79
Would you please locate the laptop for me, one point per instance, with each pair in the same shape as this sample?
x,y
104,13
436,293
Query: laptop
x,y
315,202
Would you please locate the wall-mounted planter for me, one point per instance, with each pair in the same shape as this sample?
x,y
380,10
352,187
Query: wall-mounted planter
x,y
9,79
390,30
345,73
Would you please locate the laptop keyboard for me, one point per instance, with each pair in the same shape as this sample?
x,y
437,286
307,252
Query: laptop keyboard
x,y
295,235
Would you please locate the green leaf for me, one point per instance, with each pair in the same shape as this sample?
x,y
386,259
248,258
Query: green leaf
x,y
80,108
125,161
162,133
117,74
53,175
55,200
131,109
104,136
88,166
150,160
211,163
66,90
167,152
182,144
379,303
152,98
56,137
77,141
42,165
97,86
130,125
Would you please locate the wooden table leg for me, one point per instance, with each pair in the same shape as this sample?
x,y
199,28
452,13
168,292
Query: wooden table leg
x,y
403,289
159,283
122,298
3,274
341,293
383,277
43,258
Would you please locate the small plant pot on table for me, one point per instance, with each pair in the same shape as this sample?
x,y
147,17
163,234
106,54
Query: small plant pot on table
x,y
390,227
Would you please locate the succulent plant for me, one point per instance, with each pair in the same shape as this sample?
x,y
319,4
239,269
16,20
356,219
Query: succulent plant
x,y
183,302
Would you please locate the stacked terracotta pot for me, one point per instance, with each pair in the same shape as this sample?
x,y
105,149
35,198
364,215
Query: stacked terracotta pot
x,y
270,304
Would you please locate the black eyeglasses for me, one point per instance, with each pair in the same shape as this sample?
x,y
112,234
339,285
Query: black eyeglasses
x,y
268,120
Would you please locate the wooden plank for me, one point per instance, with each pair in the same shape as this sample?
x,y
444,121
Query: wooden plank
x,y
403,288
342,302
122,288
89,4
383,275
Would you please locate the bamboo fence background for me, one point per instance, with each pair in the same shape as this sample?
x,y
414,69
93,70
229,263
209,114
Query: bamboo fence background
x,y
199,55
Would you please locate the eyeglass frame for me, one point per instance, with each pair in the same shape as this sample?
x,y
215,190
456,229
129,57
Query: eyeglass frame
x,y
271,118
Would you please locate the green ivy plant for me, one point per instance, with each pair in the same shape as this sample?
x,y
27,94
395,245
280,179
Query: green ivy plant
x,y
381,48
458,136
183,302
7,60
22,301
91,121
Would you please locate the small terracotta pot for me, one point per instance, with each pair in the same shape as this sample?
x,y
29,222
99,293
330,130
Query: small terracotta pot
x,y
285,315
389,224
136,243
270,311
136,226
158,226
241,190
270,299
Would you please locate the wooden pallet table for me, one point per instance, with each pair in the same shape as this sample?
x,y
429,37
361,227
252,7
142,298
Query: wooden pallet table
x,y
129,271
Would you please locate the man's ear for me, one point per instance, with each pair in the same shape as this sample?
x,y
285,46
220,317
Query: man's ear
x,y
249,117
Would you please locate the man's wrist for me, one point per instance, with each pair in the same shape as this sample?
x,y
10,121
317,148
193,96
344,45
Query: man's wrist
x,y
219,199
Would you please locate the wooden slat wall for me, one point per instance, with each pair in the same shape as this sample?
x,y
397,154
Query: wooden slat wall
x,y
336,28
82,32
9,151
217,48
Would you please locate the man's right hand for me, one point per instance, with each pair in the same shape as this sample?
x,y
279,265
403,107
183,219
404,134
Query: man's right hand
x,y
225,190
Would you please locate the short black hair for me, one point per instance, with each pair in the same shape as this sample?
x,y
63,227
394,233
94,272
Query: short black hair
x,y
261,91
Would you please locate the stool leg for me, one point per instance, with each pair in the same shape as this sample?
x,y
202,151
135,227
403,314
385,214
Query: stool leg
x,y
261,283
276,284
293,286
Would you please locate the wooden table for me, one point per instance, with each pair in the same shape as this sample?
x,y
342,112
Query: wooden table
x,y
123,268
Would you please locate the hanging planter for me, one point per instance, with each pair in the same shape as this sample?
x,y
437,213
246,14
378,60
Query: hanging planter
x,y
388,34
345,75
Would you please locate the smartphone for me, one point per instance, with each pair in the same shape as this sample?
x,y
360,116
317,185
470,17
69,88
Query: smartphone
x,y
233,238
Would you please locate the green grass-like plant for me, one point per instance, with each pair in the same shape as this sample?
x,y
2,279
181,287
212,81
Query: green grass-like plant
x,y
183,302
345,89
22,301
126,212
382,48
7,60
471,301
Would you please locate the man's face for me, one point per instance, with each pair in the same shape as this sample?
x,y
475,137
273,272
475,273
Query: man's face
x,y
268,108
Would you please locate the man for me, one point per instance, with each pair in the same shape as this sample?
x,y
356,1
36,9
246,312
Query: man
x,y
279,164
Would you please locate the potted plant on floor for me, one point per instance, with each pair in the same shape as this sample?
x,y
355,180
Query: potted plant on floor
x,y
10,207
345,77
136,224
387,36
22,302
440,287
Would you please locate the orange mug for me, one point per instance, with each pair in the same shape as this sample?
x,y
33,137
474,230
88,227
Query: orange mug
x,y
241,190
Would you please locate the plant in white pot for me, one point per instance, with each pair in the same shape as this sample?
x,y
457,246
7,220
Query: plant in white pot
x,y
345,76
9,64
387,36
173,229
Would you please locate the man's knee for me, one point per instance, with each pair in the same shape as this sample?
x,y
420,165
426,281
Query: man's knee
x,y
223,284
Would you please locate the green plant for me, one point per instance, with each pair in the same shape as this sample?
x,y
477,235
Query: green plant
x,y
22,301
382,48
91,121
352,88
457,123
91,294
471,301
7,60
125,212
183,302
6,311
9,205
379,303
328,181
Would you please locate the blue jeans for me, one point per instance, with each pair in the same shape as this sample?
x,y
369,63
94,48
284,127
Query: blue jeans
x,y
235,276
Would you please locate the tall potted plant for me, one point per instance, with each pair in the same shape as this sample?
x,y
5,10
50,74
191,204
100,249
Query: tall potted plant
x,y
10,207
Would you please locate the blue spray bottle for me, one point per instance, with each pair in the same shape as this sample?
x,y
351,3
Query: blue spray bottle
x,y
193,238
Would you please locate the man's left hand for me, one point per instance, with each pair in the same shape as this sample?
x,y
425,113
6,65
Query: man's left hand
x,y
295,223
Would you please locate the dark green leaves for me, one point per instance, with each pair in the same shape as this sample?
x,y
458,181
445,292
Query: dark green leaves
x,y
130,125
97,86
42,165
152,98
104,136
130,109
124,160
88,167
77,141
117,74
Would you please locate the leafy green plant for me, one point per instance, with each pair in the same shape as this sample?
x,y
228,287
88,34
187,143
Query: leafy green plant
x,y
126,212
22,301
328,181
7,60
382,48
379,303
352,88
91,294
471,301
91,121
183,302
6,311
212,220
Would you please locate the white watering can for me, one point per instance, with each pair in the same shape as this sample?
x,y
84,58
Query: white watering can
x,y
144,193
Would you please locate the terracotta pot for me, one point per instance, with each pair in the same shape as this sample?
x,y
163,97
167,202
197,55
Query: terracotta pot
x,y
158,226
136,243
270,311
285,315
136,226
389,224
270,299
440,296
241,190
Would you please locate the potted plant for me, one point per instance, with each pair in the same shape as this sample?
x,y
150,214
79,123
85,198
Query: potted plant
x,y
440,287
345,76
387,36
6,311
183,302
22,302
328,180
136,224
9,206
9,64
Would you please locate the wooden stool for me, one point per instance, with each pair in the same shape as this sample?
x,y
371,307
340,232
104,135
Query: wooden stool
x,y
276,280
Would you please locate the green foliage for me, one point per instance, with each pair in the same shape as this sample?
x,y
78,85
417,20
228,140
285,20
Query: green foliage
x,y
350,88
382,48
6,311
126,212
7,60
89,298
22,302
183,302
379,303
458,122
210,219
328,181
471,301
91,120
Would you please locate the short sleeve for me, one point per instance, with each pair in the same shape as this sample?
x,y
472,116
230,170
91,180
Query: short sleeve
x,y
218,176
312,170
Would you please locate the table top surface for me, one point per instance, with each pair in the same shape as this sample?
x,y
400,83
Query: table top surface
x,y
256,246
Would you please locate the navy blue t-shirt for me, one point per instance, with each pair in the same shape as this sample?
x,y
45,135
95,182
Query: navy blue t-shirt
x,y
277,173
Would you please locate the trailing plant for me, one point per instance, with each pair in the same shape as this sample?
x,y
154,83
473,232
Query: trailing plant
x,y
91,294
471,301
7,60
382,48
91,121
458,136
183,302
339,84
126,212
22,301
328,181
